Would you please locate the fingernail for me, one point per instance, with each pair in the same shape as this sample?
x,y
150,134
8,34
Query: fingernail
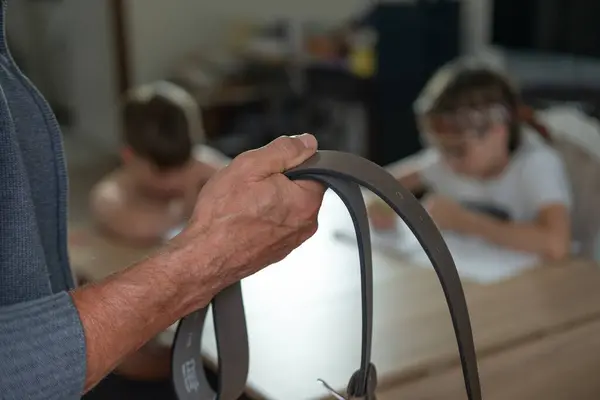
x,y
307,140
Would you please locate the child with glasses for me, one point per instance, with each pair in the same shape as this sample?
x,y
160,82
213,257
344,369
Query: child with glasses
x,y
488,169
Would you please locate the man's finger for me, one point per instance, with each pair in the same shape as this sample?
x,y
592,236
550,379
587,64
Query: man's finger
x,y
312,186
281,154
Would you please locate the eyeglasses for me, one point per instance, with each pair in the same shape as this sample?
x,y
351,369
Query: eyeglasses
x,y
455,149
471,124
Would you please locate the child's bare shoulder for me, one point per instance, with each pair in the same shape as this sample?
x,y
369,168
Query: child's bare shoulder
x,y
109,194
210,156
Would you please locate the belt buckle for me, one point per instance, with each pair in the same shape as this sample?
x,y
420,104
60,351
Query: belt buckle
x,y
335,394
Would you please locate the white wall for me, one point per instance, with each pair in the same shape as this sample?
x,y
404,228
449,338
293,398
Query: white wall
x,y
38,36
163,30
67,50
20,30
477,32
85,76
93,75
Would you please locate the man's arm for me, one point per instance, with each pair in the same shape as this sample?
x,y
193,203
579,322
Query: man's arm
x,y
50,346
549,236
60,345
225,241
147,298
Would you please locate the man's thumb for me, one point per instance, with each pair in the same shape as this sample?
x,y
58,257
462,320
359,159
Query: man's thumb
x,y
309,141
286,152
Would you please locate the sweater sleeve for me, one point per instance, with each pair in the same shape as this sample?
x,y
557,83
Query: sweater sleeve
x,y
42,350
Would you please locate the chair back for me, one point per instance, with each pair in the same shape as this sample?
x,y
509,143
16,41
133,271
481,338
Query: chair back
x,y
576,136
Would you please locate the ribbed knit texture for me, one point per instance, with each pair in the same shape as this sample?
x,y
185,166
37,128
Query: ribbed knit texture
x,y
42,344
41,350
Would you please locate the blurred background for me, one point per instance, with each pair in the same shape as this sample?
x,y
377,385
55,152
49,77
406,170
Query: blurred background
x,y
347,71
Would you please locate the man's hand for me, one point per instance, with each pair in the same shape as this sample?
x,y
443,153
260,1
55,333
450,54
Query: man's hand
x,y
252,213
446,213
248,216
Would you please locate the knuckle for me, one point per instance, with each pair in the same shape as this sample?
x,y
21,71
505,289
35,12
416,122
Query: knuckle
x,y
244,161
308,211
314,227
288,146
309,232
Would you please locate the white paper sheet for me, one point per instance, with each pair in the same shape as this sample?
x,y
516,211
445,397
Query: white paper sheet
x,y
476,260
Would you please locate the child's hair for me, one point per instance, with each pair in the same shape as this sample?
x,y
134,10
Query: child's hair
x,y
158,131
463,96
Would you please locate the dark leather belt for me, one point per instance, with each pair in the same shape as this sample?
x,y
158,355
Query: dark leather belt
x,y
343,173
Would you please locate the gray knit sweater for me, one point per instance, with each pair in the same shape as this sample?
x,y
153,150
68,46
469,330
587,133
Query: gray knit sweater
x,y
42,346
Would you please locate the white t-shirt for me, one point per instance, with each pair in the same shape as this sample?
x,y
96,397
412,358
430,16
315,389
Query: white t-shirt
x,y
535,177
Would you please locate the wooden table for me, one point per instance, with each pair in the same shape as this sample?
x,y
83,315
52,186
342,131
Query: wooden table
x,y
563,366
304,315
94,257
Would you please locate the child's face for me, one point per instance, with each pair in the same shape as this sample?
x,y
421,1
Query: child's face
x,y
477,155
